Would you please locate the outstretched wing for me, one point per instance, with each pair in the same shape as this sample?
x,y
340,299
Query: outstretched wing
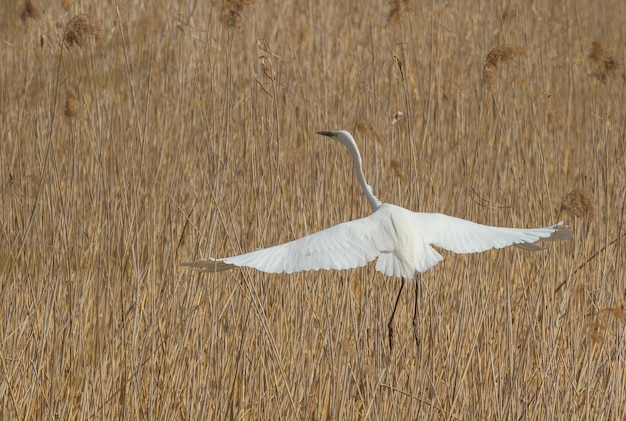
x,y
344,246
462,236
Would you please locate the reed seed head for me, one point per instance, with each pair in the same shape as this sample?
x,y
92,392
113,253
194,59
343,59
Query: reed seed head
x,y
618,313
605,61
497,55
80,29
503,53
72,107
398,8
578,203
31,10
368,129
397,170
231,12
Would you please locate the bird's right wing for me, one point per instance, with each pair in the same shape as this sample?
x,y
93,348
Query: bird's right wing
x,y
462,236
344,246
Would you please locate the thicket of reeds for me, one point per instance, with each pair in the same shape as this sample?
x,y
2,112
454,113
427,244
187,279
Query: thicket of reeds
x,y
135,136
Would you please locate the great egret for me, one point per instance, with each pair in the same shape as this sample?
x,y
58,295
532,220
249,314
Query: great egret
x,y
400,239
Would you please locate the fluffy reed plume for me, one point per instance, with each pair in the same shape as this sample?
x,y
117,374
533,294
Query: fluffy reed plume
x,y
398,7
231,12
31,10
80,29
397,170
604,61
368,130
618,313
597,331
499,54
509,13
72,107
66,4
578,204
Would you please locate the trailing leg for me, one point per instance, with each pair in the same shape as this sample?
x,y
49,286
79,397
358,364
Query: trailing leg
x,y
390,324
417,294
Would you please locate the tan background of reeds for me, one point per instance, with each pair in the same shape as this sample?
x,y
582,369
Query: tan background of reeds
x,y
143,134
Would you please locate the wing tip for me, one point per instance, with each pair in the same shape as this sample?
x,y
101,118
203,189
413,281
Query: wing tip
x,y
562,231
208,265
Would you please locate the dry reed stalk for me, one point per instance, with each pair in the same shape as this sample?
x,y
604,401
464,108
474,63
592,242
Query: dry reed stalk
x,y
102,322
31,10
231,12
578,203
605,61
497,55
80,29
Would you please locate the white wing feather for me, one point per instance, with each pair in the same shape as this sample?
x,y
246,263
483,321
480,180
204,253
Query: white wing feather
x,y
344,246
462,236
399,238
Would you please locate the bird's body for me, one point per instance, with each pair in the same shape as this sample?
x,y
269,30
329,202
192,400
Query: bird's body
x,y
399,239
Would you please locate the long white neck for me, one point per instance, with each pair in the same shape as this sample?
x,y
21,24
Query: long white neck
x,y
358,170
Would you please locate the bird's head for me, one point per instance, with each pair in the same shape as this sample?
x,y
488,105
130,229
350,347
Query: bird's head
x,y
348,141
342,136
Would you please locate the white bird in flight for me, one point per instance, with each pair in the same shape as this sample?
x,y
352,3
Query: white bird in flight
x,y
401,240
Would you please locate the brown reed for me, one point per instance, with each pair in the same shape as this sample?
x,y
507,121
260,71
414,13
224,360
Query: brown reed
x,y
80,29
179,160
368,129
578,204
397,117
30,10
265,66
497,55
72,109
604,61
398,171
398,8
232,11
618,313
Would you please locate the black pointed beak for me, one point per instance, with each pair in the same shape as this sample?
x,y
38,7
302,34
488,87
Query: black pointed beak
x,y
329,134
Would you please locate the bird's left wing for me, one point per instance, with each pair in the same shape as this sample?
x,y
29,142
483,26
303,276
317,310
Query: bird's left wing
x,y
344,246
462,236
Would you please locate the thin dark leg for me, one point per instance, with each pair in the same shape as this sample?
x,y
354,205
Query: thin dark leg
x,y
390,324
417,294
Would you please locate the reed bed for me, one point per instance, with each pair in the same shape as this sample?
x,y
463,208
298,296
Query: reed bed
x,y
136,136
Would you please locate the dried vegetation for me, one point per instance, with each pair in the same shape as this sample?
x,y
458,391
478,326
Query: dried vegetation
x,y
190,139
